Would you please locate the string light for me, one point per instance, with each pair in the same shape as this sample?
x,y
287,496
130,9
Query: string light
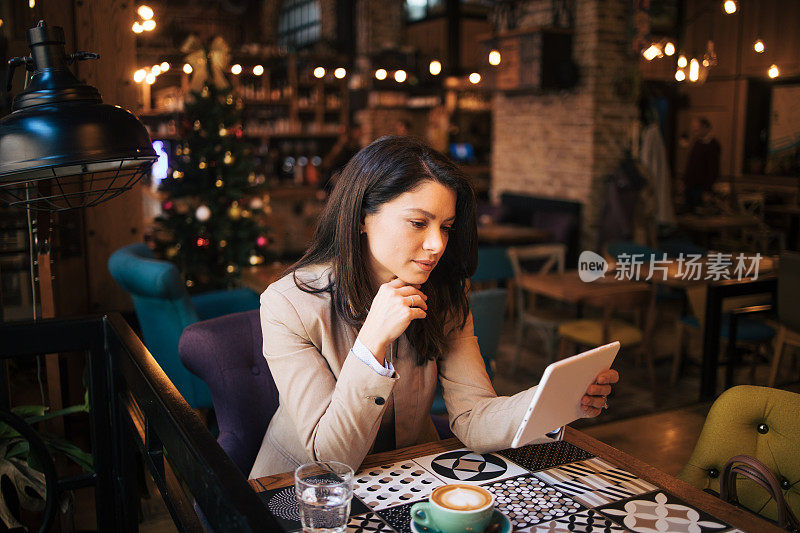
x,y
381,74
319,72
758,46
494,58
31,3
145,12
149,25
236,69
340,73
187,68
435,68
156,69
694,70
475,78
669,49
139,75
258,70
651,52
680,75
706,62
150,78
682,62
400,76
137,28
164,66
730,7
773,72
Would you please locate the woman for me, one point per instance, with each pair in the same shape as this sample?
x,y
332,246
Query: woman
x,y
376,311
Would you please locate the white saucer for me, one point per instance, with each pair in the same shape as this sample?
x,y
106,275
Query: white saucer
x,y
497,518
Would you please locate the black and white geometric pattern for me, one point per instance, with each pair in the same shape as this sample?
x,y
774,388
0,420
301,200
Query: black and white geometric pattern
x,y
536,457
528,501
465,466
661,512
588,521
368,523
399,517
595,482
282,503
386,486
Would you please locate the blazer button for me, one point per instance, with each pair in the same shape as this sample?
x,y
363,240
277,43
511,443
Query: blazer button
x,y
379,400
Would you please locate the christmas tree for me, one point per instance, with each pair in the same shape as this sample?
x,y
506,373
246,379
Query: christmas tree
x,y
209,226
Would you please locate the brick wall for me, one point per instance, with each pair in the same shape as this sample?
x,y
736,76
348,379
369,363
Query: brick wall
x,y
379,25
561,145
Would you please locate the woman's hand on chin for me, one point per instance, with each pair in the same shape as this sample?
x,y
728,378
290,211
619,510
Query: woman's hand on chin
x,y
594,401
394,307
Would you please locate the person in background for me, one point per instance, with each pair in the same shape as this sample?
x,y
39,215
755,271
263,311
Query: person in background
x,y
360,330
702,165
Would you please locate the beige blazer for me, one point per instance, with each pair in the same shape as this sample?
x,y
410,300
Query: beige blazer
x,y
331,403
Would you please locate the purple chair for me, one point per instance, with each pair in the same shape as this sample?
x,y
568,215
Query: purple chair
x,y
225,352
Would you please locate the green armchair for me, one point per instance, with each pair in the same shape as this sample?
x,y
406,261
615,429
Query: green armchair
x,y
757,421
164,309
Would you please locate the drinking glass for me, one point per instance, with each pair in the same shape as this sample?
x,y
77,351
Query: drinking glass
x,y
324,490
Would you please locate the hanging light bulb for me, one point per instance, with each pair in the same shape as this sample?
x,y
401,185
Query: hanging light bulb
x,y
474,78
340,73
758,46
258,70
773,72
139,75
156,69
494,58
435,68
680,75
694,70
137,28
381,74
164,66
400,76
149,25
651,52
319,72
187,68
669,48
730,7
150,78
682,62
706,62
145,12
236,69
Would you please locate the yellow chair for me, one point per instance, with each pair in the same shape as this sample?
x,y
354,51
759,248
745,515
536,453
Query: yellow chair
x,y
591,332
757,421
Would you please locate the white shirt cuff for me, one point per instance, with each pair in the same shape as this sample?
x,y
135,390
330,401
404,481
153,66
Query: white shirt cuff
x,y
363,353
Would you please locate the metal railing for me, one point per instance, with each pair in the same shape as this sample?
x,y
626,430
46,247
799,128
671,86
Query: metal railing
x,y
136,411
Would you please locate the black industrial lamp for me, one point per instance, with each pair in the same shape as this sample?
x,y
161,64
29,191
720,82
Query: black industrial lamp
x,y
61,147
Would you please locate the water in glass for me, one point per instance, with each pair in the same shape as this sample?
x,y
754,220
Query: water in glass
x,y
325,510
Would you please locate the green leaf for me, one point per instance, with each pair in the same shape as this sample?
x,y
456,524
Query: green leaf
x,y
24,411
29,484
18,448
77,455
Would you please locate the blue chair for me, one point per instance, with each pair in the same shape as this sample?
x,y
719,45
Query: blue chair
x,y
494,265
488,311
164,309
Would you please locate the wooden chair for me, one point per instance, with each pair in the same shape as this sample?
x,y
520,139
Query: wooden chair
x,y
544,321
788,310
592,332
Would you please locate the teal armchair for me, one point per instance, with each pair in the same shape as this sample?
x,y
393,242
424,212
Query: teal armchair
x,y
164,309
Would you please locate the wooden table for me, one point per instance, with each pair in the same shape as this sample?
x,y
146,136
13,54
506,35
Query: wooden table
x,y
508,234
259,277
708,224
568,287
694,497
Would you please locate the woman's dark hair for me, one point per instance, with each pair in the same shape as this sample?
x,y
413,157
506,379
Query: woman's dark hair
x,y
377,174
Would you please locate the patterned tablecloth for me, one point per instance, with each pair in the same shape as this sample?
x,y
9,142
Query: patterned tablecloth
x,y
544,487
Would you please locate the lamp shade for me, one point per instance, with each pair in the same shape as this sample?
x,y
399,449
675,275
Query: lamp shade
x,y
61,147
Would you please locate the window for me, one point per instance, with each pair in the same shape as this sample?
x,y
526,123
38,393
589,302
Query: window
x,y
299,23
420,9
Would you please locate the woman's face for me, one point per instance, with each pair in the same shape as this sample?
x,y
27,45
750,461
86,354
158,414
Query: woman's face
x,y
407,236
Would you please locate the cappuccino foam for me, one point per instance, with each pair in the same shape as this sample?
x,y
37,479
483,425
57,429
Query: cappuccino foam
x,y
461,497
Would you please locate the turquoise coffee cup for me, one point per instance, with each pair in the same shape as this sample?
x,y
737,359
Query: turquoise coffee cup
x,y
433,514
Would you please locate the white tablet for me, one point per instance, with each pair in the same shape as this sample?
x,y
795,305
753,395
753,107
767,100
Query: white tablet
x,y
557,400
